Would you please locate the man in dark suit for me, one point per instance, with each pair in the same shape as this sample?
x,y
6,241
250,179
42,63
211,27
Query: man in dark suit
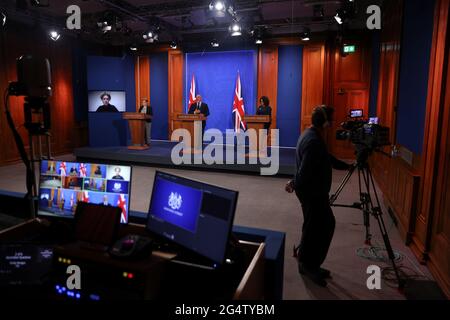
x,y
199,107
312,184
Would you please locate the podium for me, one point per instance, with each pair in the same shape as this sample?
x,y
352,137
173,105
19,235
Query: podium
x,y
193,123
256,122
136,122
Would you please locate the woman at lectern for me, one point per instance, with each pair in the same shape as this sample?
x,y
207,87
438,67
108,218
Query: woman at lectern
x,y
147,109
265,110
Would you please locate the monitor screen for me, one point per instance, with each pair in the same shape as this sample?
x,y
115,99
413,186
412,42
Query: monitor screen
x,y
356,113
24,264
373,120
107,101
193,214
63,184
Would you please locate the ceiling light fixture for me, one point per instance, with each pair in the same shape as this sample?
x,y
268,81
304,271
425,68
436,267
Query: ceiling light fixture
x,y
214,43
3,19
235,29
306,34
54,35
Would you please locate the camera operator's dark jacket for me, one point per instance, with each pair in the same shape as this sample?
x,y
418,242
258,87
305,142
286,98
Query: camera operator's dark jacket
x,y
314,165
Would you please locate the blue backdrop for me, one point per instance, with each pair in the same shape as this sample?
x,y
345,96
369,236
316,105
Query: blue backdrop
x,y
289,94
159,95
375,74
413,77
110,73
215,76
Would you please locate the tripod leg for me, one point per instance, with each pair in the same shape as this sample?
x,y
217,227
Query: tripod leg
x,y
347,177
364,198
387,243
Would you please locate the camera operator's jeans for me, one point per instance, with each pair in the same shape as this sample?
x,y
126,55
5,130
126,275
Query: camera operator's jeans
x,y
317,230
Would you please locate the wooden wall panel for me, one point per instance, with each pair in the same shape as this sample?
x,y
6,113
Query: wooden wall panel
x,y
312,81
432,238
176,65
19,41
142,79
268,78
400,193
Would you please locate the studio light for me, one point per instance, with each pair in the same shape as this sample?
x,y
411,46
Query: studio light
x,y
133,48
338,18
305,35
217,5
258,41
3,19
235,29
214,43
219,8
104,26
173,45
54,35
150,36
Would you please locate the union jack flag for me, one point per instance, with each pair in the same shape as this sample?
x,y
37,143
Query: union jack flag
x,y
122,204
192,96
63,169
83,170
85,196
238,107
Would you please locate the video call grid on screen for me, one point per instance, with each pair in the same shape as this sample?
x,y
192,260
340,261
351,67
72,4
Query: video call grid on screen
x,y
196,215
63,184
118,99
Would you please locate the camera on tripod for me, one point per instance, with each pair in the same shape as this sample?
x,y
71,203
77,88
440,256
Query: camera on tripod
x,y
363,133
33,82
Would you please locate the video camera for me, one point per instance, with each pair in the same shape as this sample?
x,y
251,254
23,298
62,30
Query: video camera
x,y
34,83
363,133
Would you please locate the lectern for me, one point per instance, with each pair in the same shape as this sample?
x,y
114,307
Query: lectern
x,y
193,123
256,122
136,122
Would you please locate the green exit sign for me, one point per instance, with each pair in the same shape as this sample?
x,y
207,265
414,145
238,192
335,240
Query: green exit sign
x,y
349,48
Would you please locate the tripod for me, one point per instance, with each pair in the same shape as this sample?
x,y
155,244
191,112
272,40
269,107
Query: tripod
x,y
365,179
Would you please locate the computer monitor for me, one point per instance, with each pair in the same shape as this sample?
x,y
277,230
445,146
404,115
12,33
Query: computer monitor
x,y
107,101
63,184
195,215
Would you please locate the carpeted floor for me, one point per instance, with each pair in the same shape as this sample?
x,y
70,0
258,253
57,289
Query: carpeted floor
x,y
263,203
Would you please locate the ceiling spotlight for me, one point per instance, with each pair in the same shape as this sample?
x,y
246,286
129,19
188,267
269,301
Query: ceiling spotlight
x,y
235,29
214,43
150,36
258,41
305,35
54,35
343,14
218,6
104,26
133,48
2,19
173,45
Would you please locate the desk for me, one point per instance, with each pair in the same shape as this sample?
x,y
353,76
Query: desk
x,y
156,277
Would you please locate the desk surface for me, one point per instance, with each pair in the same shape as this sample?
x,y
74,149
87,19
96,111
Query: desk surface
x,y
168,280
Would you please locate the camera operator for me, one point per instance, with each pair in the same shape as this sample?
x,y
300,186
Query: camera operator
x,y
312,184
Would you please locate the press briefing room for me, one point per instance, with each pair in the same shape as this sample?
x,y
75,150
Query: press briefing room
x,y
225,151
